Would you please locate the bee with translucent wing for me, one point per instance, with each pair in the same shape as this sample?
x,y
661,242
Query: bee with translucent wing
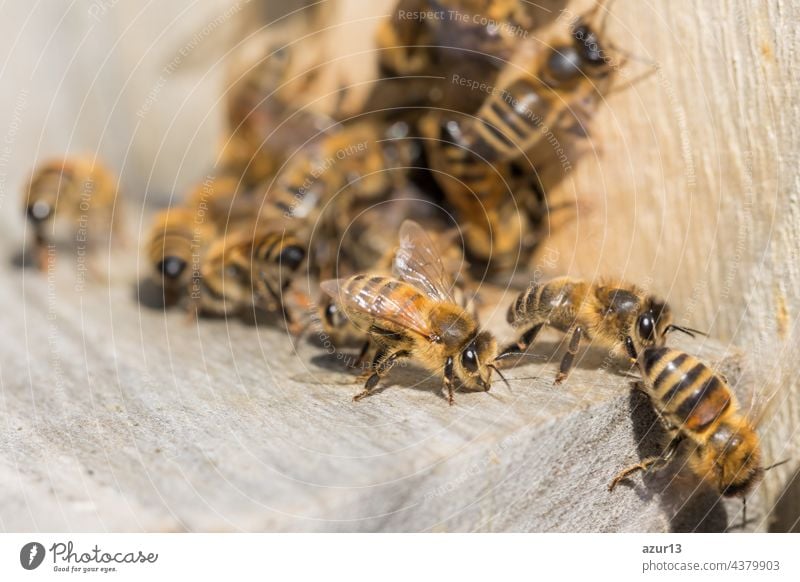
x,y
414,315
697,405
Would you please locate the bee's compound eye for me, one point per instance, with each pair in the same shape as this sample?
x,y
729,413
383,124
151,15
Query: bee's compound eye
x,y
469,359
331,313
171,267
646,326
564,64
590,46
292,257
39,211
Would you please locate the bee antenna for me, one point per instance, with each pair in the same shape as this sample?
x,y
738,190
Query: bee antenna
x,y
503,378
778,464
505,355
687,330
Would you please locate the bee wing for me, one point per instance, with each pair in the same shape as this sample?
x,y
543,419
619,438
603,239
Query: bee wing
x,y
378,305
417,261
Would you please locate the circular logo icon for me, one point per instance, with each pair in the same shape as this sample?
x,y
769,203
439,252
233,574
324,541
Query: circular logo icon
x,y
31,555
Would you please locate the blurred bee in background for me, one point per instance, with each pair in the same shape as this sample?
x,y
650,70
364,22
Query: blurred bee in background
x,y
414,315
266,121
174,247
495,167
697,405
617,316
78,194
248,269
555,88
333,180
422,38
501,206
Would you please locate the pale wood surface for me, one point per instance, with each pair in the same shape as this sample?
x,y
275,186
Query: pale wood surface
x,y
116,417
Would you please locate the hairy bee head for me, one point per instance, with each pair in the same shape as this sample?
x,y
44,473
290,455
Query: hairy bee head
x,y
732,459
650,327
582,57
473,365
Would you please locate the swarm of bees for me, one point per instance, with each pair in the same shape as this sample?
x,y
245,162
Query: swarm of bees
x,y
454,149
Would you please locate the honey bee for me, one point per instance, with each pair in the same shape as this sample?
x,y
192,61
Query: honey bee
x,y
425,37
501,207
79,194
557,88
248,269
618,316
364,159
697,405
336,325
174,249
414,315
333,180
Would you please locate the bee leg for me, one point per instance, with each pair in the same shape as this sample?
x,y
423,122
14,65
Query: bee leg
x,y
569,358
449,379
362,355
525,341
649,464
42,256
381,364
278,304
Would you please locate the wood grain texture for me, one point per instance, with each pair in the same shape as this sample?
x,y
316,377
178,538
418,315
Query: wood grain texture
x,y
116,417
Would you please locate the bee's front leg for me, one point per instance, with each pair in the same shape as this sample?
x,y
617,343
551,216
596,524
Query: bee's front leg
x,y
449,379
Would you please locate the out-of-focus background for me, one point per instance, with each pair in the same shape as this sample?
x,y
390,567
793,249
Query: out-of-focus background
x,y
691,185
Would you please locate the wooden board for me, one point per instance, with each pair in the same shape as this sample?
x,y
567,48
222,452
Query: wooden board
x,y
117,417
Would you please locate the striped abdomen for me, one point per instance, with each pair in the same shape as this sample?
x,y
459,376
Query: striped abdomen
x,y
463,173
384,297
512,120
555,302
686,391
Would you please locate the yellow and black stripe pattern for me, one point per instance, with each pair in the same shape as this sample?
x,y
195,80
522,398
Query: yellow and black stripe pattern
x,y
686,391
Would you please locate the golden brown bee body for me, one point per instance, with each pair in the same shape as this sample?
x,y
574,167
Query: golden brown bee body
x,y
697,405
363,161
415,316
616,315
337,326
79,193
248,269
558,84
425,37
